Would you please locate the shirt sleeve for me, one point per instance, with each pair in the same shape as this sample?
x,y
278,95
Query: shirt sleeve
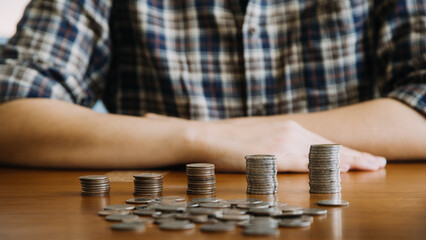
x,y
61,50
401,51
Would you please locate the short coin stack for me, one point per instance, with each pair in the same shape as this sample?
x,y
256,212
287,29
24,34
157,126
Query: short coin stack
x,y
94,185
324,170
261,174
148,184
201,179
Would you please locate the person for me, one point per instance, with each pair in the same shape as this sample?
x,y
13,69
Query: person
x,y
212,81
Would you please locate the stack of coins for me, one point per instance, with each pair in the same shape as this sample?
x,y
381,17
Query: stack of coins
x,y
201,179
94,185
148,184
324,170
261,174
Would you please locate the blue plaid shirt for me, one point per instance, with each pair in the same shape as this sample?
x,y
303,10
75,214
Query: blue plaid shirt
x,y
215,59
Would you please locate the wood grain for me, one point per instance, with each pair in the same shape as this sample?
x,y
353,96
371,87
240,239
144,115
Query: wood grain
x,y
43,204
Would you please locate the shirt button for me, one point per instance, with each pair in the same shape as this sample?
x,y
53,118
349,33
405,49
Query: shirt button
x,y
252,30
259,111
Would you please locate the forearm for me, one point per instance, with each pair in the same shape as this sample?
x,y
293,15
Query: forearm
x,y
383,127
46,133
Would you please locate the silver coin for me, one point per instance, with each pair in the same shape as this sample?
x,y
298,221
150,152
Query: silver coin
x,y
120,217
133,226
116,212
119,207
234,217
145,221
171,198
205,211
176,225
170,208
215,205
264,211
294,223
139,200
93,177
145,212
217,227
206,200
333,202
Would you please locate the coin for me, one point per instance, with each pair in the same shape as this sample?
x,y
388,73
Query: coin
x,y
176,225
139,200
324,170
170,198
109,212
170,208
333,202
261,174
294,223
217,227
95,185
234,217
201,179
133,226
119,207
314,211
148,184
120,217
145,212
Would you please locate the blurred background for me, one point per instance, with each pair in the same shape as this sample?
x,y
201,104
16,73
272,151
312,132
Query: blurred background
x,y
10,13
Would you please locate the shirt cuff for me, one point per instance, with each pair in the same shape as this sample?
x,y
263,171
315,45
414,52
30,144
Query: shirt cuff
x,y
414,95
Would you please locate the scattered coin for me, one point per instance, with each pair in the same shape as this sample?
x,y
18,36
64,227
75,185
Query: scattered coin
x,y
234,217
119,207
120,217
314,211
145,212
109,212
206,200
139,200
170,208
294,223
217,227
171,198
176,225
333,202
133,226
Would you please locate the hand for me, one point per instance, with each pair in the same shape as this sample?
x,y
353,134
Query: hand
x,y
226,143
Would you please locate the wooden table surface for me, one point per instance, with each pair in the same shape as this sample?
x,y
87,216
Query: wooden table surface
x,y
46,204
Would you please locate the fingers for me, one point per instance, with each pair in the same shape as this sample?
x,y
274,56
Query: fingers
x,y
355,160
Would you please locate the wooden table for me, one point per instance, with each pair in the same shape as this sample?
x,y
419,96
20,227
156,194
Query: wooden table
x,y
46,204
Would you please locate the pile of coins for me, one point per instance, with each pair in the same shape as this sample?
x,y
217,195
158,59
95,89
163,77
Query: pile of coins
x,y
257,218
95,185
148,184
324,170
201,179
261,174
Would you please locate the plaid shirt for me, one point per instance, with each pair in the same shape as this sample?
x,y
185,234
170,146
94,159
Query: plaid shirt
x,y
214,59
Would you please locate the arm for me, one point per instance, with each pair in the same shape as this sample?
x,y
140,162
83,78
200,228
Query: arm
x,y
49,133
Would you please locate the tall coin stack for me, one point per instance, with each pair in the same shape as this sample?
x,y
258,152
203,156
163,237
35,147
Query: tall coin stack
x,y
148,184
201,179
324,170
261,174
95,185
